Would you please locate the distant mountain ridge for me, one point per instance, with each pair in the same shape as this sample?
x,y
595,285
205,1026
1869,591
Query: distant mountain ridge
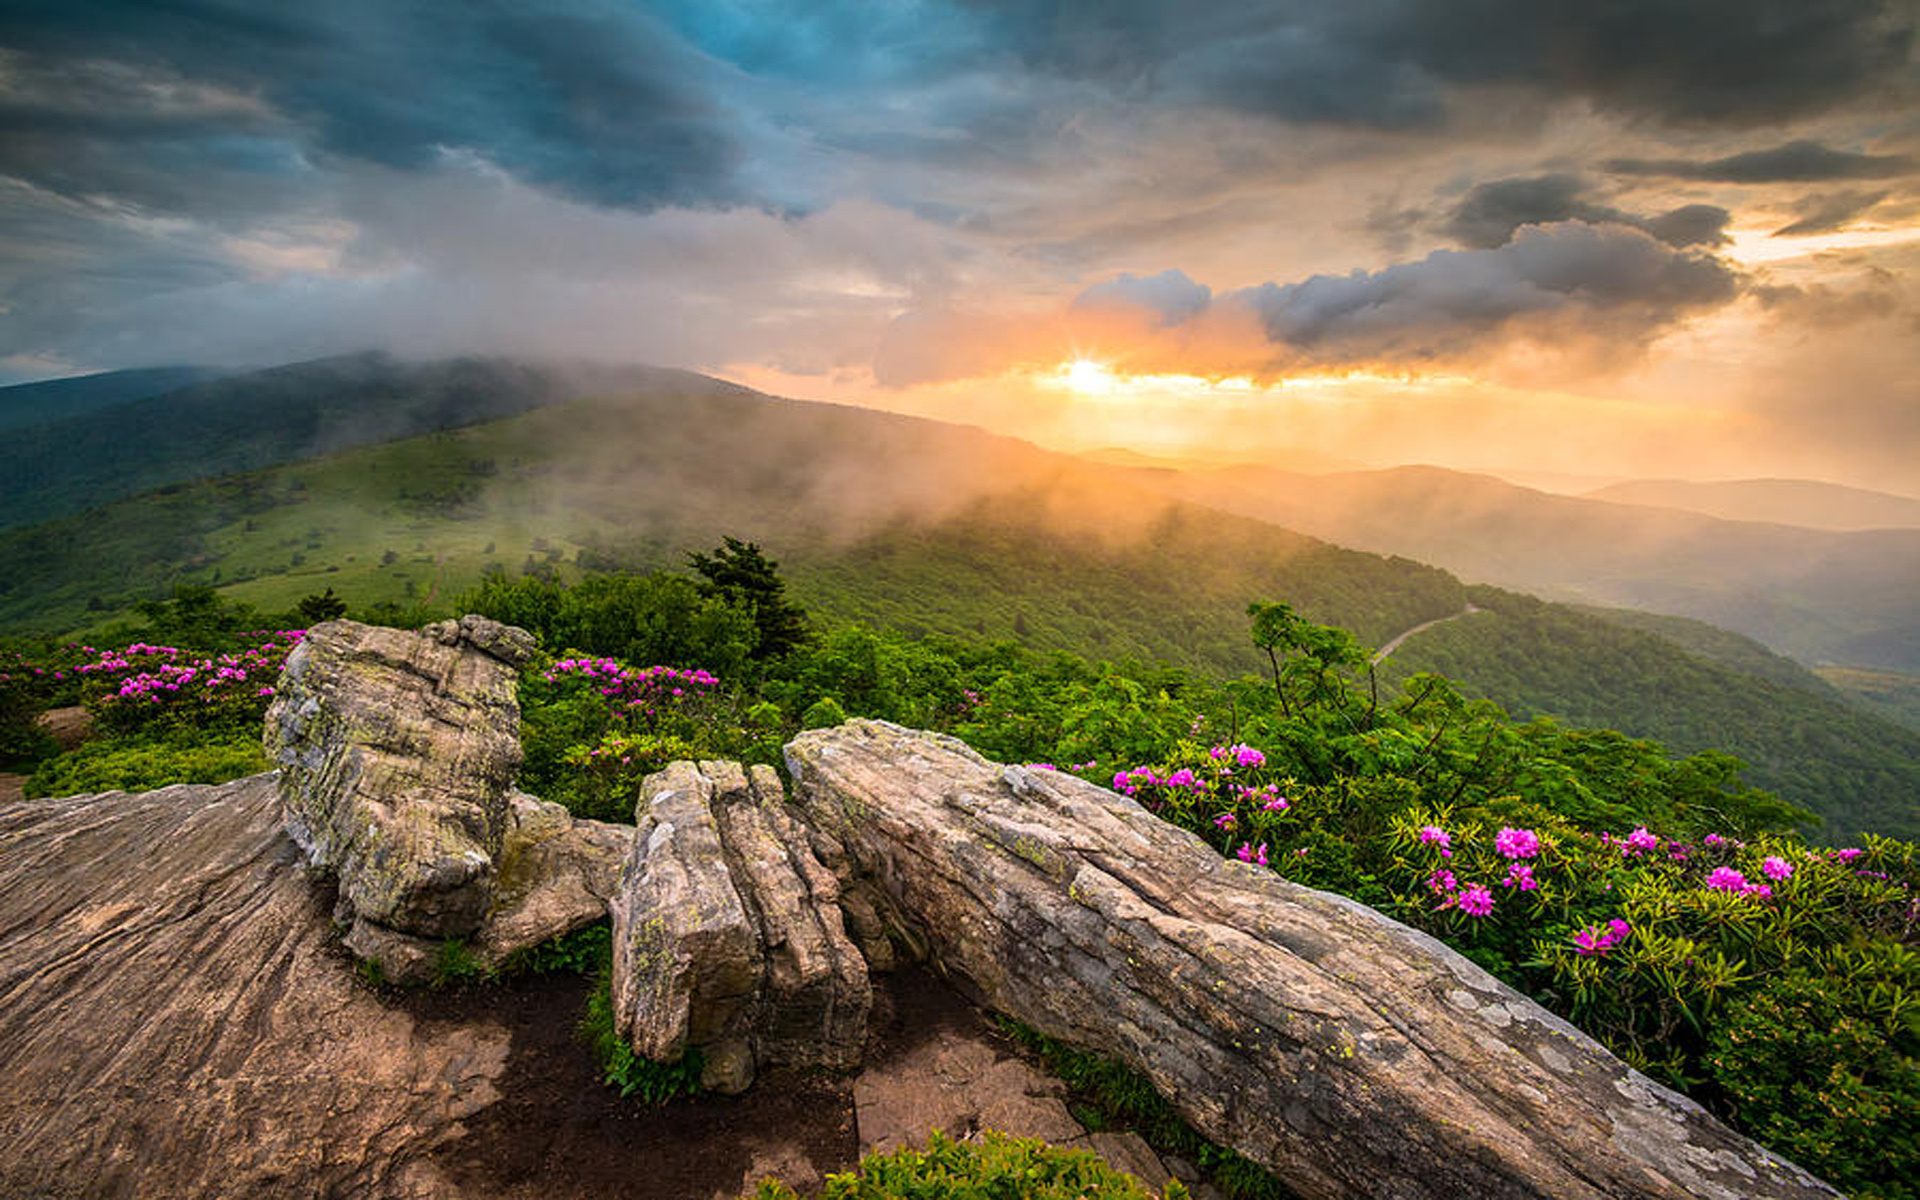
x,y
1821,596
1802,502
263,418
51,400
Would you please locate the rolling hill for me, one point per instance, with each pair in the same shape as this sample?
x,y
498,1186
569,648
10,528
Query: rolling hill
x,y
909,523
25,404
1820,596
262,418
1801,502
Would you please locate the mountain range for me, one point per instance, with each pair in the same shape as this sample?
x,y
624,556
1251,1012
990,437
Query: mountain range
x,y
402,483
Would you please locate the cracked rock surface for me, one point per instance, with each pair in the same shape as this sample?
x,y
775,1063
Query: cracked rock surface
x,y
396,753
176,1020
1351,1055
727,933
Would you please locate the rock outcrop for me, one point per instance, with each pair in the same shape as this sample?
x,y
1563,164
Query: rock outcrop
x,y
397,753
727,933
177,1021
1348,1053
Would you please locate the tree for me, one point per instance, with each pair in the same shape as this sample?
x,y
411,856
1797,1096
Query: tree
x,y
740,574
322,606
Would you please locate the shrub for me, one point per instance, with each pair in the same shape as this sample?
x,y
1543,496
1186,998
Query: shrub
x,y
592,728
143,765
996,1167
1807,1068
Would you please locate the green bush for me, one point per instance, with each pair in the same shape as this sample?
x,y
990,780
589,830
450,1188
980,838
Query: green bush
x,y
1808,1069
131,765
996,1167
823,713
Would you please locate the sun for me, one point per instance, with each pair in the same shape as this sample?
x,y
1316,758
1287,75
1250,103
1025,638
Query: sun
x,y
1088,377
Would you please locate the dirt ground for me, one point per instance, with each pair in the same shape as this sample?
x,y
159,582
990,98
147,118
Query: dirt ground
x,y
557,1131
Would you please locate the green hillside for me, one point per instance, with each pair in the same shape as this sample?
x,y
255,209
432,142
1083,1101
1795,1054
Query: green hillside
x,y
916,525
263,418
52,400
1822,596
1857,770
1716,645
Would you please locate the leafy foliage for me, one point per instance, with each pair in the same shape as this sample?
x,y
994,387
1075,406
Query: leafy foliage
x,y
996,1167
622,1069
141,765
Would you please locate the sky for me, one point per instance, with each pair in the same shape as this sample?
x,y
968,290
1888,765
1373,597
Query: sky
x,y
1583,240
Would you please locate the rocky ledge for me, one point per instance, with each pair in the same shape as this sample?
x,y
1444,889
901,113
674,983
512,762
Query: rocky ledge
x,y
1349,1054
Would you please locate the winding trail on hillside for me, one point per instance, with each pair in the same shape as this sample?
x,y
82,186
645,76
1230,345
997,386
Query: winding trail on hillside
x,y
1422,627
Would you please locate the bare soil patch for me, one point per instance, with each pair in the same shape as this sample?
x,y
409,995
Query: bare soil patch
x,y
558,1131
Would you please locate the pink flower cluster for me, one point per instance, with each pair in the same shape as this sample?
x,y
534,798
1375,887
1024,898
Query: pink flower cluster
x,y
1639,841
1520,875
1596,940
1517,843
206,678
643,688
1248,853
1242,755
1129,783
1726,879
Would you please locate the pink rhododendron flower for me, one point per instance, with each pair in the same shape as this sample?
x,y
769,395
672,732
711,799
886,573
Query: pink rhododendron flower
x,y
1520,875
1726,879
1476,901
1776,868
1640,839
1596,940
1517,843
1435,835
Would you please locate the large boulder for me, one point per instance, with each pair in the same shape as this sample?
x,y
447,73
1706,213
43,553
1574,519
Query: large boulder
x,y
396,753
176,1020
556,873
727,937
1348,1053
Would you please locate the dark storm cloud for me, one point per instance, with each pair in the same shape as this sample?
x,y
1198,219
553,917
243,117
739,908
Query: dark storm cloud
x,y
1389,63
1795,162
1488,215
1572,279
599,103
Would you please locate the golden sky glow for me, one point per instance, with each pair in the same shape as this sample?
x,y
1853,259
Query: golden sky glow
x,y
1643,251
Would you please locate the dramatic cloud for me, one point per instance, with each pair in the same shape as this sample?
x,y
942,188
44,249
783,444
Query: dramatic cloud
x,y
1487,218
881,201
1795,162
1552,282
1390,64
1824,214
1170,296
598,102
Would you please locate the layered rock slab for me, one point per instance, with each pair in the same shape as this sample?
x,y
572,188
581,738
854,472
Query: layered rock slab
x,y
176,1021
727,933
396,753
1348,1053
